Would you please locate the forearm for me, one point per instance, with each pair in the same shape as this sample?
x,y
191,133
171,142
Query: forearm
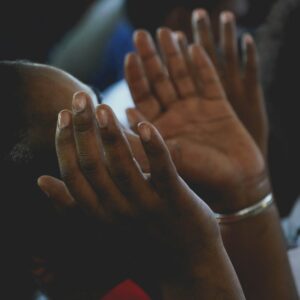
x,y
257,250
216,280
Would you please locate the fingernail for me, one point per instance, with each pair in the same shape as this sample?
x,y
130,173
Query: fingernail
x,y
43,188
226,17
248,39
145,132
102,118
199,14
64,119
145,36
79,102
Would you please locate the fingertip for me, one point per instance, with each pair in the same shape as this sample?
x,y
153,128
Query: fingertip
x,y
79,94
130,58
227,17
199,15
42,183
79,102
248,40
141,35
64,119
195,50
163,32
103,115
145,131
137,34
180,36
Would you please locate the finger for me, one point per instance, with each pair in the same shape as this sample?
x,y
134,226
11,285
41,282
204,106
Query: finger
x,y
155,71
134,117
251,70
91,155
202,32
232,77
56,190
121,163
137,150
231,67
182,41
228,40
143,97
184,47
176,64
163,171
69,166
206,74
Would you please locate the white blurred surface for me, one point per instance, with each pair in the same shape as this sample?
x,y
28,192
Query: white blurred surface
x,y
119,98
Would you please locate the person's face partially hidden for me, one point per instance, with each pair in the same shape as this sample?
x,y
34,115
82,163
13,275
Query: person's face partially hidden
x,y
50,90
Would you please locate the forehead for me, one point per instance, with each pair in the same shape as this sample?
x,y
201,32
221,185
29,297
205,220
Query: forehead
x,y
49,90
53,87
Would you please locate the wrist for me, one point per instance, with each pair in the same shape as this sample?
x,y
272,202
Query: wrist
x,y
212,277
244,194
200,264
250,211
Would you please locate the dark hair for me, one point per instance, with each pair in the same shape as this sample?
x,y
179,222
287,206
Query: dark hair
x,y
34,227
13,98
150,14
280,57
27,213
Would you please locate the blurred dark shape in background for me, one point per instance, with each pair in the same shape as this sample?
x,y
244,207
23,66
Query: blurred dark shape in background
x,y
29,29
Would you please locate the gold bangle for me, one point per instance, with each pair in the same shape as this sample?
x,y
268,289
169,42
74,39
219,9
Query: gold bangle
x,y
246,212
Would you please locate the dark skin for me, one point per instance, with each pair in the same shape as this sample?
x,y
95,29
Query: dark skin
x,y
284,272
241,81
184,106
192,115
112,188
41,109
234,236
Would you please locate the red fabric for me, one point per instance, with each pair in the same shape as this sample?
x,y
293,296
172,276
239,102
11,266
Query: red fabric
x,y
127,290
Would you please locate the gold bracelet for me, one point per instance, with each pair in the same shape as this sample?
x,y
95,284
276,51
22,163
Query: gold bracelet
x,y
246,212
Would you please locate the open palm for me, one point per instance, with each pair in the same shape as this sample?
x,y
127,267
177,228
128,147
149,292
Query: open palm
x,y
210,147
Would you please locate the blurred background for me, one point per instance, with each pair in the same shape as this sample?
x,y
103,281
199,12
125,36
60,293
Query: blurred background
x,y
90,38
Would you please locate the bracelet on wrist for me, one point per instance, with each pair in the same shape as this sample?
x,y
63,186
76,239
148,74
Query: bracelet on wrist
x,y
246,212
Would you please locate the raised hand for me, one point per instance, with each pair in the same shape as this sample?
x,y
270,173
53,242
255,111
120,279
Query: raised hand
x,y
241,81
185,100
83,260
182,238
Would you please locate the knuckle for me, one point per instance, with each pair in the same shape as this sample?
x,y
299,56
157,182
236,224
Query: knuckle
x,y
180,73
157,152
88,165
83,124
69,176
63,140
144,96
159,77
122,177
166,182
111,138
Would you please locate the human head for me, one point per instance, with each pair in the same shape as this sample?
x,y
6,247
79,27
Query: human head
x,y
32,95
35,93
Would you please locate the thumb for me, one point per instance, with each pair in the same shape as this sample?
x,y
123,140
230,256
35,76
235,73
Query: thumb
x,y
56,190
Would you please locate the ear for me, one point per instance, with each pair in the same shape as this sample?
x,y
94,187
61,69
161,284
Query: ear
x,y
179,18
